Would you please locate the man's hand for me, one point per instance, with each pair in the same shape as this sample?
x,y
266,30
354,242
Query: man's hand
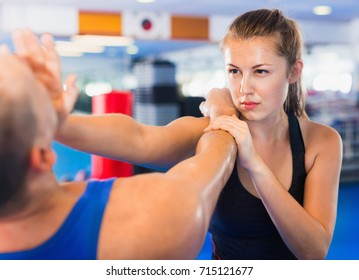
x,y
44,61
218,102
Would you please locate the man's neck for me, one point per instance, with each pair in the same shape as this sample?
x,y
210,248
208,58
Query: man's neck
x,y
37,196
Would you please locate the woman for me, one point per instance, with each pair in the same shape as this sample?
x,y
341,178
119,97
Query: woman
x,y
281,200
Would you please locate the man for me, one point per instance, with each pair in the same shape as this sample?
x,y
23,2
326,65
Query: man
x,y
150,216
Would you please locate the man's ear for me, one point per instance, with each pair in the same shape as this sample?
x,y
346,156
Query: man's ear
x,y
42,159
296,71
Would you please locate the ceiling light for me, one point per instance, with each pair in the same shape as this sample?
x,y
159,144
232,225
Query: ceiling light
x,y
66,46
146,1
69,53
322,10
99,40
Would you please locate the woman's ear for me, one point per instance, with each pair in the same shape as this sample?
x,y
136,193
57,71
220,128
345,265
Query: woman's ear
x,y
296,71
41,159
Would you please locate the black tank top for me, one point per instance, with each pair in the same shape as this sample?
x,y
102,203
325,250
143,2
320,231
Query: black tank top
x,y
240,227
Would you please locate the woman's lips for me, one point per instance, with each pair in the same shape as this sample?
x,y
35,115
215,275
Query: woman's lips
x,y
249,104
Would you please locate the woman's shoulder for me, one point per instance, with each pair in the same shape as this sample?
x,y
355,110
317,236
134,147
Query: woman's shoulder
x,y
319,140
315,133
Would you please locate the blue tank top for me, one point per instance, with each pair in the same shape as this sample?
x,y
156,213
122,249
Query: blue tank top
x,y
77,237
240,227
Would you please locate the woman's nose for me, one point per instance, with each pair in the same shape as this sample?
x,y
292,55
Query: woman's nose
x,y
246,85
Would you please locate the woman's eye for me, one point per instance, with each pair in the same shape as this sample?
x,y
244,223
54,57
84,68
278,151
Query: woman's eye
x,y
233,71
261,71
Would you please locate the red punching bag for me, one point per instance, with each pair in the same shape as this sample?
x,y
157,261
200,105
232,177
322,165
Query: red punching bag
x,y
113,102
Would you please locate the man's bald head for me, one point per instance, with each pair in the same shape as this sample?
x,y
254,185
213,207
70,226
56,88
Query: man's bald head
x,y
23,123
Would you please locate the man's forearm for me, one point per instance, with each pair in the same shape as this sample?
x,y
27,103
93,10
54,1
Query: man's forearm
x,y
121,137
207,172
218,151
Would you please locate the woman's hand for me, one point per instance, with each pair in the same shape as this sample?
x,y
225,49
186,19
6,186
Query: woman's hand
x,y
44,61
240,132
218,102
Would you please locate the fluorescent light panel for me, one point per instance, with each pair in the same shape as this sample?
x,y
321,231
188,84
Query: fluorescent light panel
x,y
69,53
146,1
78,47
322,10
106,41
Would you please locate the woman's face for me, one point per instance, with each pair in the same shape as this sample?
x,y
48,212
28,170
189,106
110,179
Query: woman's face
x,y
257,76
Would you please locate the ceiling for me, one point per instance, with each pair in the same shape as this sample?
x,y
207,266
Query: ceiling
x,y
342,10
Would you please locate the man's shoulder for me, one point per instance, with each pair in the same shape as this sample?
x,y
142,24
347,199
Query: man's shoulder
x,y
74,187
